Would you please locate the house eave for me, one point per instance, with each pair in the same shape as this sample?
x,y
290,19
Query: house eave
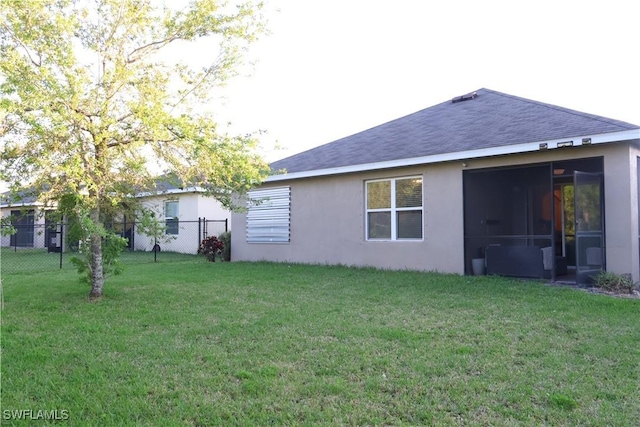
x,y
171,191
546,145
193,190
22,205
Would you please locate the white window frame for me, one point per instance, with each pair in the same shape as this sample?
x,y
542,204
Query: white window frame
x,y
169,218
393,210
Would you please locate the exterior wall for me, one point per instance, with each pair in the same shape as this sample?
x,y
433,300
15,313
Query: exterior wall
x,y
191,206
621,210
635,153
327,215
210,208
328,224
5,240
621,207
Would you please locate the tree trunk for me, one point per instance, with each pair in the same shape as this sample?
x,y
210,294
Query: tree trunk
x,y
97,275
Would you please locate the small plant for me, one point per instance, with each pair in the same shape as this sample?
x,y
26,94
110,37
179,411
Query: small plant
x,y
612,282
226,240
211,247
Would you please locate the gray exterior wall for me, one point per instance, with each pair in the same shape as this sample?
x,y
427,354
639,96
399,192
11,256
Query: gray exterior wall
x,y
621,211
328,215
328,224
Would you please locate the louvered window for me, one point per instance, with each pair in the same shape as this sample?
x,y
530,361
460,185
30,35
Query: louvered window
x,y
269,215
394,209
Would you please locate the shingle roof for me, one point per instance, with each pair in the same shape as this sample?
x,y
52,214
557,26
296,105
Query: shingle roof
x,y
22,199
490,119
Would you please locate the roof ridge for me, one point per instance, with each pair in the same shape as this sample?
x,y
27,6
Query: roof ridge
x,y
603,119
447,128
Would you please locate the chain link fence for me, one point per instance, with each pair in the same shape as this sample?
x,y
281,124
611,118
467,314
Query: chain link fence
x,y
44,247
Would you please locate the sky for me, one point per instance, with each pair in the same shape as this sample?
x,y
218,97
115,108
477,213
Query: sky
x,y
333,68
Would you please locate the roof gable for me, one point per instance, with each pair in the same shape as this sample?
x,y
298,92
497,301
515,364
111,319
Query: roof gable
x,y
489,119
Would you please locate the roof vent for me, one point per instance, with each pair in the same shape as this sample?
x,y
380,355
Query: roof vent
x,y
464,97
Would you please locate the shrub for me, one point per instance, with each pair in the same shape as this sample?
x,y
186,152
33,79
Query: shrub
x,y
211,247
621,283
226,241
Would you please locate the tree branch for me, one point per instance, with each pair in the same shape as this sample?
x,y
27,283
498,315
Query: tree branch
x,y
24,47
156,45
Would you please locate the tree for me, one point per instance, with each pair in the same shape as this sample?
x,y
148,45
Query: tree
x,y
89,99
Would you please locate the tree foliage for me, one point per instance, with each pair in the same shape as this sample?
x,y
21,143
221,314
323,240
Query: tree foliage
x,y
89,97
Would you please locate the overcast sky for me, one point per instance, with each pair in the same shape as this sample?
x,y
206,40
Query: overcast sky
x,y
332,68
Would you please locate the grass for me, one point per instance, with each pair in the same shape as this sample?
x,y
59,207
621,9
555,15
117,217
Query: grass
x,y
29,260
194,343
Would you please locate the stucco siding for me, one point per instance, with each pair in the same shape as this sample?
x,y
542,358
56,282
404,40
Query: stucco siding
x,y
620,195
328,215
328,224
211,209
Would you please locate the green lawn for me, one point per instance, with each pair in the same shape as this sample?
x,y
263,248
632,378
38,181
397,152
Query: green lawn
x,y
195,343
29,260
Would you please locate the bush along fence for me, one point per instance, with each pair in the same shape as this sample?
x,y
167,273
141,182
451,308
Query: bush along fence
x,y
25,246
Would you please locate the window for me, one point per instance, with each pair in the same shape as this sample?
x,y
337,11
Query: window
x,y
269,215
394,209
171,217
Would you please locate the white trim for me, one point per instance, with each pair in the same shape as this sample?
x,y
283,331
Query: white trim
x,y
171,191
393,210
23,204
463,155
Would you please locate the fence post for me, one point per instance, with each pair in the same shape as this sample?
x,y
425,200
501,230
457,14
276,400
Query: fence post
x,y
61,242
155,249
199,231
132,244
226,225
205,229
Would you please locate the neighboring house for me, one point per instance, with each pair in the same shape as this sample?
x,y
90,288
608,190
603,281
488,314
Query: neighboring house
x,y
187,214
31,228
487,179
180,210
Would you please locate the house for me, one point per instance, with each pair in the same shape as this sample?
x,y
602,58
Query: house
x,y
187,214
485,180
